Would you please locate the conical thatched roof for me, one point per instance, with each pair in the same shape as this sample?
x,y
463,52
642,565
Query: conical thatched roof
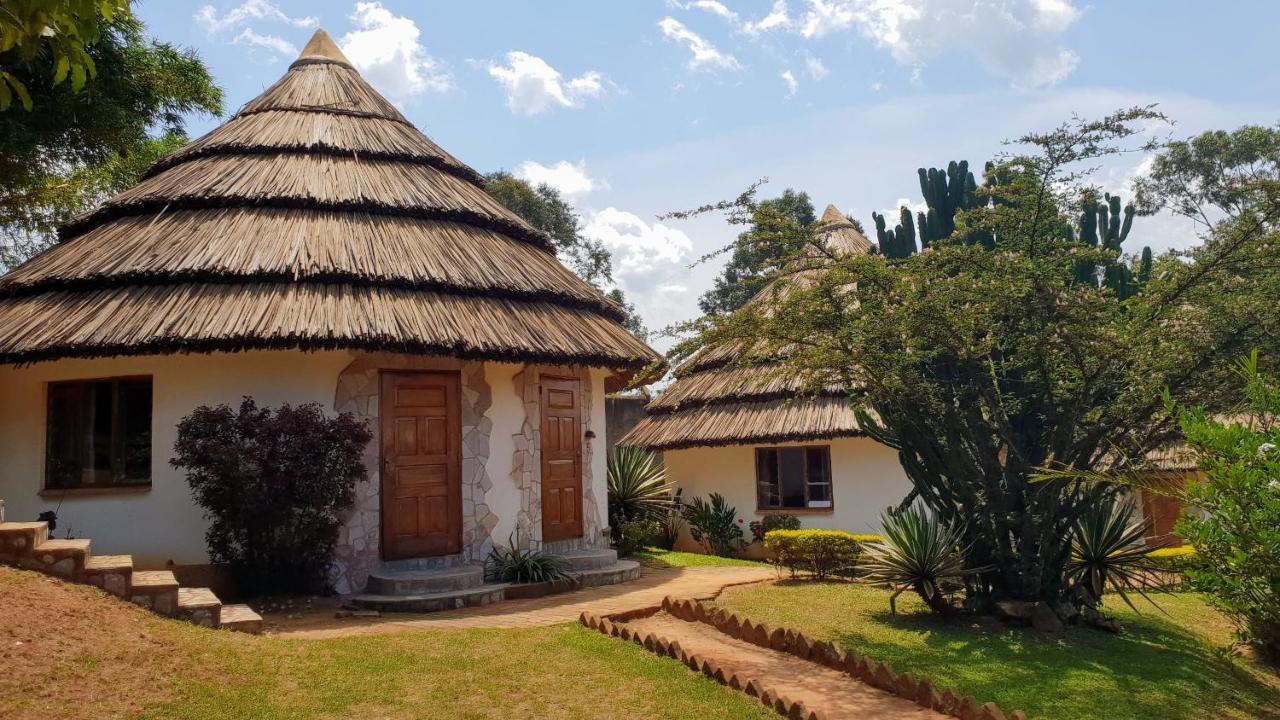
x,y
716,402
317,217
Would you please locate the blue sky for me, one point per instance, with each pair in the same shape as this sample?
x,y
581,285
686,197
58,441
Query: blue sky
x,y
637,108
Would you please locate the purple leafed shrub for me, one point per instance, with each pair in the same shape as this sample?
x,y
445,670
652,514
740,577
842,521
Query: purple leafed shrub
x,y
274,485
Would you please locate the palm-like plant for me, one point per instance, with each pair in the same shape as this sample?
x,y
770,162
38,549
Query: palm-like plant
x,y
919,553
1109,552
638,485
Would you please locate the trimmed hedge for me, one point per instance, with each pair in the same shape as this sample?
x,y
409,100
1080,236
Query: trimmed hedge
x,y
821,552
1175,559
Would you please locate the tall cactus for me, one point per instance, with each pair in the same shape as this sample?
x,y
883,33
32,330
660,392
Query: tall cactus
x,y
900,242
1106,224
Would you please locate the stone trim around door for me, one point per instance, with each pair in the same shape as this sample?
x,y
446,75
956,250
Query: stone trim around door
x,y
358,550
526,464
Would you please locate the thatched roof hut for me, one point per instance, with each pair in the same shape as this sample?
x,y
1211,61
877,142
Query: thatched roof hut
x,y
316,218
716,401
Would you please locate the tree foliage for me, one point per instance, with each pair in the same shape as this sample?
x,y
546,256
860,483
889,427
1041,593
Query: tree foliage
x,y
758,251
54,33
982,365
82,146
544,208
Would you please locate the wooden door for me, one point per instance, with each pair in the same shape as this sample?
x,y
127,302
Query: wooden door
x,y
421,464
561,459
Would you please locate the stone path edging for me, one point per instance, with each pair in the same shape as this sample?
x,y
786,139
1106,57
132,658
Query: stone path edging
x,y
880,675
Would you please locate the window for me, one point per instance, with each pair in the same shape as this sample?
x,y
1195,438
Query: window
x,y
99,434
793,477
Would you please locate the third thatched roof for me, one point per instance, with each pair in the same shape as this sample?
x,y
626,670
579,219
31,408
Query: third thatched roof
x,y
716,400
317,217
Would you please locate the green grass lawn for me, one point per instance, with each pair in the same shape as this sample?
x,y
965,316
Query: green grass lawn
x,y
561,672
1165,667
655,557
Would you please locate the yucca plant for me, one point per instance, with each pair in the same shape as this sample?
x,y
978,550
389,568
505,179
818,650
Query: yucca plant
x,y
919,553
512,565
638,485
1109,552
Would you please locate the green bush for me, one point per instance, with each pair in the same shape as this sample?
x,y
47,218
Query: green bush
x,y
821,552
632,535
1175,559
715,524
760,528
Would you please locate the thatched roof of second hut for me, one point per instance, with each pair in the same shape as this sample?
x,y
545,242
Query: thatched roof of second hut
x,y
717,401
317,217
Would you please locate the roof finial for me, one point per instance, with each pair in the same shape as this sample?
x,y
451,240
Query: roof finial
x,y
322,47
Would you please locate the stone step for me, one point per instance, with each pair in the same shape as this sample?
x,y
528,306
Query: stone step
x,y
425,582
619,572
240,618
109,572
18,538
155,589
199,606
580,560
63,558
432,602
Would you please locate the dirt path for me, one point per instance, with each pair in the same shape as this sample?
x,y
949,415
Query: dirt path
x,y
695,582
820,688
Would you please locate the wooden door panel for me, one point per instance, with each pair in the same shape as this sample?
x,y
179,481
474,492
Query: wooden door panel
x,y
561,458
422,476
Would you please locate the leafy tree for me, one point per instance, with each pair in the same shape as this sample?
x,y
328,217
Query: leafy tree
x,y
984,366
758,251
50,31
80,147
543,207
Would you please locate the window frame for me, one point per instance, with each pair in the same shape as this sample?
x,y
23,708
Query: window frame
x,y
806,509
117,441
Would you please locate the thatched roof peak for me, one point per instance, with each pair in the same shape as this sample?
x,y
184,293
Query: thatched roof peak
x,y
842,234
321,47
317,217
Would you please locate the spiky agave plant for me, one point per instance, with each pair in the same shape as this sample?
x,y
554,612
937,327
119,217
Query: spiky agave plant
x,y
638,485
1109,552
919,553
512,565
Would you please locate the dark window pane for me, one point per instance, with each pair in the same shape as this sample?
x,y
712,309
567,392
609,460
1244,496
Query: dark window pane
x,y
99,433
135,429
819,466
791,468
767,492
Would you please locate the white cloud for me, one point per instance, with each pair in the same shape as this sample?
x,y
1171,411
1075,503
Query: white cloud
x,y
245,12
792,84
533,86
777,19
276,44
386,49
705,55
571,180
814,66
643,254
1020,39
712,6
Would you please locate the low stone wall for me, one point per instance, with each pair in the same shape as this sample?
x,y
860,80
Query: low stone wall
x,y
876,674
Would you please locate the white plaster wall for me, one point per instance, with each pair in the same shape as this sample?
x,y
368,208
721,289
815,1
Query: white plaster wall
x,y
507,414
866,479
163,523
599,456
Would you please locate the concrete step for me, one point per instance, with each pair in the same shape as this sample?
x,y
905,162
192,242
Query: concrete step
x,y
432,602
63,558
240,618
18,538
109,572
580,560
619,572
198,606
425,582
154,589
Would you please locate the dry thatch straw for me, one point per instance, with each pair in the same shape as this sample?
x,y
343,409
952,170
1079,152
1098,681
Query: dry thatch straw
x,y
318,217
719,399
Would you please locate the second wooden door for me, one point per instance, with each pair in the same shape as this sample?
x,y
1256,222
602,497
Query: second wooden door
x,y
561,459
